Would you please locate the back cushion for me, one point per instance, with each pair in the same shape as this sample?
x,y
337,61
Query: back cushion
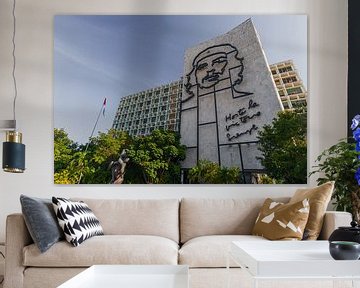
x,y
159,217
200,217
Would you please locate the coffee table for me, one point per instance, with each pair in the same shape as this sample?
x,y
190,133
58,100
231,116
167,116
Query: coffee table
x,y
293,260
131,276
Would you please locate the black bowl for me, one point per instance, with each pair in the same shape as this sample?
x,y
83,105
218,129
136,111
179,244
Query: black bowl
x,y
344,250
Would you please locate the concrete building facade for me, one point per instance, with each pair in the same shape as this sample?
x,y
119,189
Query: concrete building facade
x,y
289,84
156,108
228,95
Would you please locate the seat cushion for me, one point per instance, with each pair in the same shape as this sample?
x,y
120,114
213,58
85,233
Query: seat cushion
x,y
211,251
107,249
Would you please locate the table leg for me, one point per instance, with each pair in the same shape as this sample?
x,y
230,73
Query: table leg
x,y
355,283
255,283
228,270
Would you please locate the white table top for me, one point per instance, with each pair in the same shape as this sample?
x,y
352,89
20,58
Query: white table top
x,y
131,276
292,259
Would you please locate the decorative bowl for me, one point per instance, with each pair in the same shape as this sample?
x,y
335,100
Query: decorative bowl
x,y
344,250
347,233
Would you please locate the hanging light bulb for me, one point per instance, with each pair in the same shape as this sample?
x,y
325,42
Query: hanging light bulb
x,y
13,149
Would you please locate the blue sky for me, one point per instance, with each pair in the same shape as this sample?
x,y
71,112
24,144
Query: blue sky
x,y
114,56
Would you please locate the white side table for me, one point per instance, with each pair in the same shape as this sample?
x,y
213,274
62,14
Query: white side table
x,y
131,276
287,261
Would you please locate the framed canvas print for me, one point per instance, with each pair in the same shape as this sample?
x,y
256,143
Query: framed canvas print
x,y
170,99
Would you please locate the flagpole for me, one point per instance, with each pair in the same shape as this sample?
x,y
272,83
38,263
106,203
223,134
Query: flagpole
x,y
92,134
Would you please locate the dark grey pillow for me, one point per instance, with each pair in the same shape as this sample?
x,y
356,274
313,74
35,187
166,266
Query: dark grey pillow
x,y
41,221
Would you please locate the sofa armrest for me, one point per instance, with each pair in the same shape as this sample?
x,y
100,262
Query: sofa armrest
x,y
17,237
333,220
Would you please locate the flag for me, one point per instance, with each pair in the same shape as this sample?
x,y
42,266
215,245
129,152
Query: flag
x,y
104,105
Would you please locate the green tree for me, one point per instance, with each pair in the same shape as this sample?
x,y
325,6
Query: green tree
x,y
154,158
157,156
103,149
72,160
207,172
283,145
339,163
65,150
79,166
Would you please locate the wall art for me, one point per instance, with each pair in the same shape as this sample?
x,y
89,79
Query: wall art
x,y
170,99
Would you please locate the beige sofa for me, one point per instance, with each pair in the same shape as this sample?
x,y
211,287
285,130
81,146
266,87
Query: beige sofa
x,y
194,232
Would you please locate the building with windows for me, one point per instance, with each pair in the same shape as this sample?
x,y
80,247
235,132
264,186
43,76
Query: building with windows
x,y
159,107
156,108
289,84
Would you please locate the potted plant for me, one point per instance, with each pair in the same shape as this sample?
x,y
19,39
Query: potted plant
x,y
341,163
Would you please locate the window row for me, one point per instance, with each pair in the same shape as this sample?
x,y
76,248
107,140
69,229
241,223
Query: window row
x,y
148,103
145,121
149,130
294,104
144,131
285,69
156,94
294,90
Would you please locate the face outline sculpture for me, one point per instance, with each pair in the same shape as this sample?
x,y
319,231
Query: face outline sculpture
x,y
209,69
211,66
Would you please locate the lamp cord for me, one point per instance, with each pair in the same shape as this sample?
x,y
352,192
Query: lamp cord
x,y
14,59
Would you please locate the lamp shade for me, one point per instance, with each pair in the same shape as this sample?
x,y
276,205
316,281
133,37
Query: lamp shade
x,y
13,153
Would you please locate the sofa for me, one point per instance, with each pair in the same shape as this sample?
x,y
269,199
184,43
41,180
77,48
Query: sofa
x,y
190,231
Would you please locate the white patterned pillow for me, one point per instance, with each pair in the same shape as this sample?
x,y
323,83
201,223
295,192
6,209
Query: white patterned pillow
x,y
77,220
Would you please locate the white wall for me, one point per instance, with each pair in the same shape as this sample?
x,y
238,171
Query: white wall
x,y
327,64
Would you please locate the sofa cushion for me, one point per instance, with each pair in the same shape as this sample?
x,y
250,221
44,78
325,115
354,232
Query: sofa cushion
x,y
201,217
319,198
279,221
211,251
41,221
158,217
77,220
107,249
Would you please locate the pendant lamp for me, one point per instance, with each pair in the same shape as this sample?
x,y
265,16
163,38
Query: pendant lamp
x,y
13,150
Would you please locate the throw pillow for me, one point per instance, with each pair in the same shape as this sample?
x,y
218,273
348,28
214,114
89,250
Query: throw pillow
x,y
77,220
279,221
41,222
319,198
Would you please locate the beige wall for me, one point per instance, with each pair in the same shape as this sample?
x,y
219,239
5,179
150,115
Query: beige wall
x,y
327,67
